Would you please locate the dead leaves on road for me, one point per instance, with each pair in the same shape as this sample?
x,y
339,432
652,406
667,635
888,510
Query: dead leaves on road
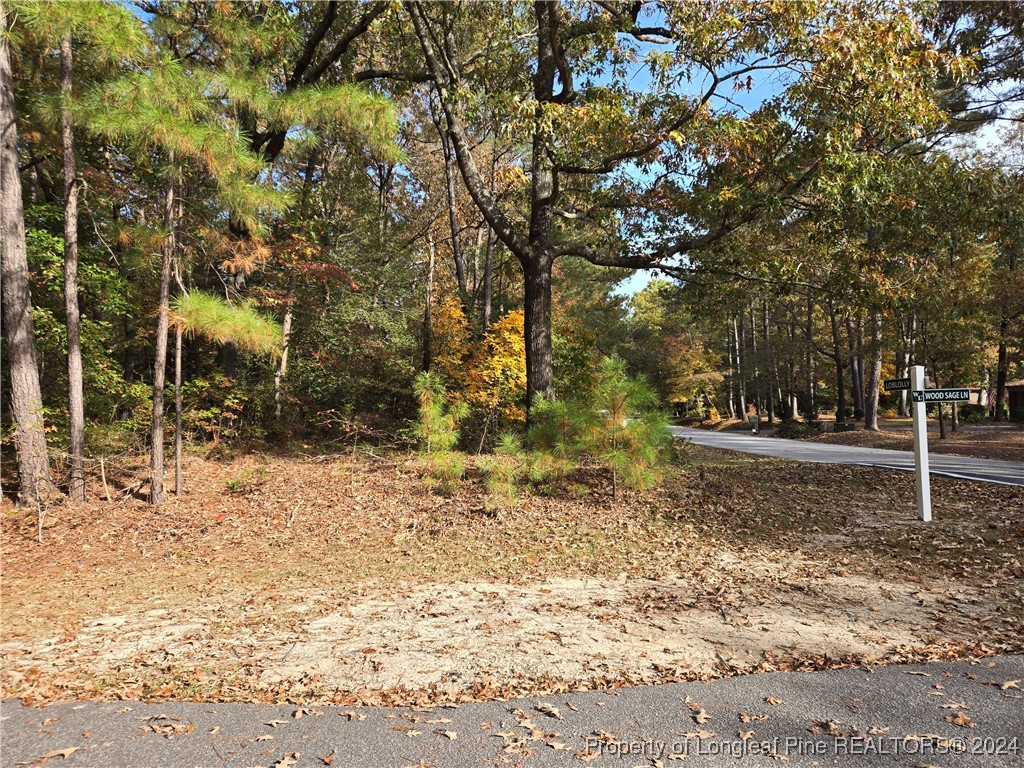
x,y
168,726
961,719
63,754
549,710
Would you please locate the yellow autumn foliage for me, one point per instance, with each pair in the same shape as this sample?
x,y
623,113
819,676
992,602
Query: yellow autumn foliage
x,y
451,344
499,376
488,374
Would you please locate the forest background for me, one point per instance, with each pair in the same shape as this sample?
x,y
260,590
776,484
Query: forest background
x,y
268,218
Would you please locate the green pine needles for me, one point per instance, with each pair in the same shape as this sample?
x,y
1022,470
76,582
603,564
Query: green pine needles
x,y
217,320
503,472
624,429
438,431
617,425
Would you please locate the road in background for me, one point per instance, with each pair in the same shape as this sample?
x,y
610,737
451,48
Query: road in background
x,y
961,467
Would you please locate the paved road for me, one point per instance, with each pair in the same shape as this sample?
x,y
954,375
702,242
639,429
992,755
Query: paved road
x,y
937,714
962,467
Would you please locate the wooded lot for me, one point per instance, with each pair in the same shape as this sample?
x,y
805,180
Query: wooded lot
x,y
253,223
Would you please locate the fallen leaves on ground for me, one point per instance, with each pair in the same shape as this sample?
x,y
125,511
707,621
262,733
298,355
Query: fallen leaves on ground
x,y
168,726
999,444
960,719
64,754
723,535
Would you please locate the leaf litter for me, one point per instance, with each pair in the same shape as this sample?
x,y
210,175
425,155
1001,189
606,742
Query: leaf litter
x,y
734,565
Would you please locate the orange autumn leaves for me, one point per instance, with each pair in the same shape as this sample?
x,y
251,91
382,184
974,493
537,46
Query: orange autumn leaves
x,y
487,373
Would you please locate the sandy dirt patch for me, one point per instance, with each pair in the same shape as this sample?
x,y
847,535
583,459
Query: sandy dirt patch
x,y
346,580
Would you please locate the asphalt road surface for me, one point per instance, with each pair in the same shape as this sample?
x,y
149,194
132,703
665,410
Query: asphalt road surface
x,y
941,714
962,467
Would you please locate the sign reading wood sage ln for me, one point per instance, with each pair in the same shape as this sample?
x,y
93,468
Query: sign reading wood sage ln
x,y
894,385
940,395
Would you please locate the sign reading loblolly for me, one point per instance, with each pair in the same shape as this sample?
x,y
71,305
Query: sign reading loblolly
x,y
894,385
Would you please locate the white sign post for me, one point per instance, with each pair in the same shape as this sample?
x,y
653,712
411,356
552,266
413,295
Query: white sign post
x,y
924,490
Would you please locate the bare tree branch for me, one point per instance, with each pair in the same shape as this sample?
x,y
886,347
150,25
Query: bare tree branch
x,y
475,183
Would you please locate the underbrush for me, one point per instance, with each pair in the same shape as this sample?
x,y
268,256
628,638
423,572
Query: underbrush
x,y
796,430
616,425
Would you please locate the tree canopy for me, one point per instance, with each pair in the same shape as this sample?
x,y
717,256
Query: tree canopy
x,y
803,198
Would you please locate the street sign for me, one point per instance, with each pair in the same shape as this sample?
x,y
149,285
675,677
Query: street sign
x,y
894,385
940,395
923,475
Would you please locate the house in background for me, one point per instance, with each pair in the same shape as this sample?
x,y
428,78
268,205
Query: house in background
x,y
1015,399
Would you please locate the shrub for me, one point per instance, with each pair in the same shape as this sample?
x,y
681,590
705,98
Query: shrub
x,y
618,424
438,431
795,430
973,413
624,429
502,473
444,471
219,407
554,439
247,480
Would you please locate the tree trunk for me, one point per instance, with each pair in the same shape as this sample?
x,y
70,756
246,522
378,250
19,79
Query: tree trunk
x,y
954,415
227,357
756,371
156,460
740,354
1002,370
177,409
862,366
769,365
544,191
793,403
489,255
875,376
731,398
428,305
488,277
938,406
903,367
856,372
76,401
537,308
811,406
451,198
286,336
837,355
35,483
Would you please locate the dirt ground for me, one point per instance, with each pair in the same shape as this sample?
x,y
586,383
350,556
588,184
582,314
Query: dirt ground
x,y
342,578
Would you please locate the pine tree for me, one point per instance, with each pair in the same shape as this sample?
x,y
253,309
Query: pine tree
x,y
34,478
179,114
114,34
202,314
